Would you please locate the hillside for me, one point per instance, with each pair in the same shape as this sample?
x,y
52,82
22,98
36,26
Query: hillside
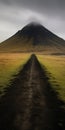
x,y
34,38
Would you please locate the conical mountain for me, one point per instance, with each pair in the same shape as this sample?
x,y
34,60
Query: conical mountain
x,y
34,37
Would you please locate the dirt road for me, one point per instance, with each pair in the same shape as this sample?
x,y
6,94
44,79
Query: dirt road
x,y
30,103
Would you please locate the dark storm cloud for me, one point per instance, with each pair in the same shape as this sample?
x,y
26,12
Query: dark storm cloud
x,y
41,5
16,13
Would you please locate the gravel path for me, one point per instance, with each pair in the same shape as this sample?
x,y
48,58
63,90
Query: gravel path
x,y
30,103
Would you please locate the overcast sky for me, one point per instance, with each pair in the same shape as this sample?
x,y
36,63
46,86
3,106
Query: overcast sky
x,y
14,14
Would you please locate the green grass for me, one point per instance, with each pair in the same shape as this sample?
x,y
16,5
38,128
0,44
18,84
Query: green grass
x,y
55,67
10,65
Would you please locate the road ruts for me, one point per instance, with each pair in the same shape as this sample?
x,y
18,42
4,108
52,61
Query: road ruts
x,y
30,103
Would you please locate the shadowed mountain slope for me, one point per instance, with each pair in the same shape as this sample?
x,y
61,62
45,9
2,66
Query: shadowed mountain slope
x,y
34,37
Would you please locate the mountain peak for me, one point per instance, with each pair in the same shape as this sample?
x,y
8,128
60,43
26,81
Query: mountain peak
x,y
35,31
34,24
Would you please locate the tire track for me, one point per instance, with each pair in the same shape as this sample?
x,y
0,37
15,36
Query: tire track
x,y
30,103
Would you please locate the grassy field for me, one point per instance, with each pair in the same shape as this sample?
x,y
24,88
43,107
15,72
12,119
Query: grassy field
x,y
10,64
55,68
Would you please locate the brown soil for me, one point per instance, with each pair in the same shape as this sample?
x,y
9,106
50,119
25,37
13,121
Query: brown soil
x,y
30,103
